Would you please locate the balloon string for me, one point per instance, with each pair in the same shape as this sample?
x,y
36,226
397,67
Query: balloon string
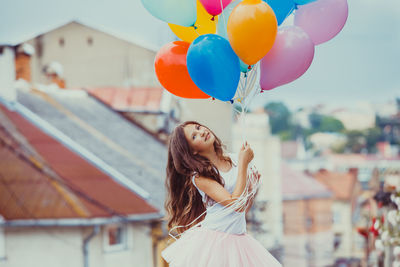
x,y
237,206
223,16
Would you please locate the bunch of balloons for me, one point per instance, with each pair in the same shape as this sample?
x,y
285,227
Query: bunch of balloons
x,y
223,40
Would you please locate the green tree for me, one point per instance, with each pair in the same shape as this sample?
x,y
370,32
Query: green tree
x,y
330,124
279,117
315,120
372,136
356,141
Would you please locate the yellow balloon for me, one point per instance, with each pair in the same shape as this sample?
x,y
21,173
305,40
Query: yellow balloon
x,y
204,24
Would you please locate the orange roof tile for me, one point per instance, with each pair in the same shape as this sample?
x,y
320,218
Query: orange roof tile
x,y
28,193
33,196
341,184
129,99
297,185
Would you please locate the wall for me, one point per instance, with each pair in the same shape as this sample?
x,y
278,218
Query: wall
x,y
308,237
256,132
7,73
343,226
137,253
107,61
45,247
62,247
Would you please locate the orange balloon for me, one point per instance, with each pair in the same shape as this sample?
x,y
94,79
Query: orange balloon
x,y
171,71
252,28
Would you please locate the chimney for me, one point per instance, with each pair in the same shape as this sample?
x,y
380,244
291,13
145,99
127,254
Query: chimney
x,y
23,62
54,72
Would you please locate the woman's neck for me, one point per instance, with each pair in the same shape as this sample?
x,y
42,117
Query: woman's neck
x,y
219,163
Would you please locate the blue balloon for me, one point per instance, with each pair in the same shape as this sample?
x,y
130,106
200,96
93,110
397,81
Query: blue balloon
x,y
178,12
213,66
303,2
281,8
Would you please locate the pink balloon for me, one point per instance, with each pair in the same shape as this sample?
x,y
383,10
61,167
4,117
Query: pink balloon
x,y
213,7
322,19
289,58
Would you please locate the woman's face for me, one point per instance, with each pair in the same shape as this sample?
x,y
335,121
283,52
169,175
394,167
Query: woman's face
x,y
200,138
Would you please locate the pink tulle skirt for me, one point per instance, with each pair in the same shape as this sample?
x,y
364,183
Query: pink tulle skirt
x,y
201,247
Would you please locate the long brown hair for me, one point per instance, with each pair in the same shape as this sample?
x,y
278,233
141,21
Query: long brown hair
x,y
184,203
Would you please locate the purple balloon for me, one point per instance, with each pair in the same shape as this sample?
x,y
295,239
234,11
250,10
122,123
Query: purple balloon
x,y
289,58
322,19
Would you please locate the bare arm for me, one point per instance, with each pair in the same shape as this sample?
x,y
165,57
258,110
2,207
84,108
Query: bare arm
x,y
217,192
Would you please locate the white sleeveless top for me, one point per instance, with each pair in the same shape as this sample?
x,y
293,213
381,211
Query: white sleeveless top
x,y
218,217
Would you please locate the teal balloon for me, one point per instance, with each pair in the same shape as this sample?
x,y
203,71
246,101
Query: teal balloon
x,y
180,12
244,67
223,19
282,8
213,66
222,31
303,2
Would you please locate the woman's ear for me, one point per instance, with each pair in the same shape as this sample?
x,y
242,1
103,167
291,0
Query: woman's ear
x,y
195,153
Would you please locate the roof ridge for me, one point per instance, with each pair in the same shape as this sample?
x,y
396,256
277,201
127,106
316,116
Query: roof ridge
x,y
97,134
100,28
92,158
77,192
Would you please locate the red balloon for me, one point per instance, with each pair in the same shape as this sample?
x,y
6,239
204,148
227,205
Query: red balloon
x,y
171,71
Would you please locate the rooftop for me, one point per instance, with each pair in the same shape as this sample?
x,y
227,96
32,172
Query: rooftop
x,y
93,149
297,185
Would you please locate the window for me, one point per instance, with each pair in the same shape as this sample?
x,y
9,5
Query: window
x,y
337,218
90,41
337,240
61,41
115,237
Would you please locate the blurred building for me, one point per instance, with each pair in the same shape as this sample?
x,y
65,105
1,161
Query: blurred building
x,y
365,165
359,117
346,191
307,220
265,220
7,72
98,58
78,181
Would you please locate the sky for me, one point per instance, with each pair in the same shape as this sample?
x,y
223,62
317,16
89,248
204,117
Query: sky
x,y
362,63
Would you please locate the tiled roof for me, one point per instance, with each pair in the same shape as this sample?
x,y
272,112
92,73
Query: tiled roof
x,y
28,193
76,190
130,99
297,185
341,184
114,146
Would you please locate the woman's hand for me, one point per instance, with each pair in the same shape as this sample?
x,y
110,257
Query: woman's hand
x,y
246,154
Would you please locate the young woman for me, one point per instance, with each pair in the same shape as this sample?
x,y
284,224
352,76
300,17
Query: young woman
x,y
208,195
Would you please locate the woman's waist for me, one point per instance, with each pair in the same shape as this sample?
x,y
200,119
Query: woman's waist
x,y
234,223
